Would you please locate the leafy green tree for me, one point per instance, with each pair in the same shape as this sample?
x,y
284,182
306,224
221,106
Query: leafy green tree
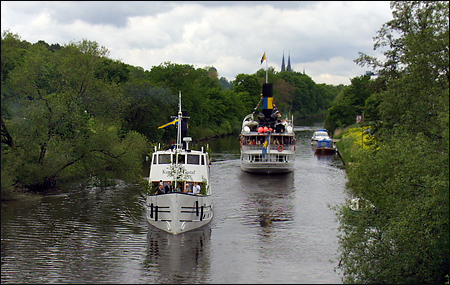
x,y
339,116
352,101
62,119
248,90
416,67
141,109
308,98
270,74
196,86
406,238
226,85
213,111
13,50
285,95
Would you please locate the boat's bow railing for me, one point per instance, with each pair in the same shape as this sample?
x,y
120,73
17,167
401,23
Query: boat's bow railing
x,y
249,117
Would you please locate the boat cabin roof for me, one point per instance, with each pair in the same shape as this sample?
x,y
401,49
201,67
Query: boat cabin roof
x,y
167,157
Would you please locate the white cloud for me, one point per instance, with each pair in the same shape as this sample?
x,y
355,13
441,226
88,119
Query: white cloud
x,y
322,37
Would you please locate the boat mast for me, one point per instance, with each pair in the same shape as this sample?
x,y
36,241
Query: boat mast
x,y
179,143
180,117
267,73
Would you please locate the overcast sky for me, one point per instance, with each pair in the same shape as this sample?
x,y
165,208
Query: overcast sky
x,y
323,38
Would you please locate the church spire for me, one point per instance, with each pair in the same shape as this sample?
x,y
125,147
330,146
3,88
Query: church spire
x,y
289,62
282,64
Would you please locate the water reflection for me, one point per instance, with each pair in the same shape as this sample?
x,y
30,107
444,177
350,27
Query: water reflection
x,y
183,258
326,157
73,236
224,148
268,199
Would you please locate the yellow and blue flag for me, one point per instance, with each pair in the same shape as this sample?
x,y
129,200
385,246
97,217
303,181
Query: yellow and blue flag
x,y
263,57
173,122
264,148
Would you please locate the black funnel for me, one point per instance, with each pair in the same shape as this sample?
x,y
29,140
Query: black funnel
x,y
267,100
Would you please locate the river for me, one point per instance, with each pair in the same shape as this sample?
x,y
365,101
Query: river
x,y
266,229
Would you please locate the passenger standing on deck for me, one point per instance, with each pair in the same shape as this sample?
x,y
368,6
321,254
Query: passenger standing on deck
x,y
168,188
196,188
160,189
186,189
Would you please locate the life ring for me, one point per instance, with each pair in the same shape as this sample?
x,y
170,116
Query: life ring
x,y
280,148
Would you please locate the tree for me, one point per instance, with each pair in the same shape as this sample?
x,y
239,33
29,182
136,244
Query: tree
x,y
351,102
13,50
285,92
339,116
249,90
62,119
417,65
406,239
226,85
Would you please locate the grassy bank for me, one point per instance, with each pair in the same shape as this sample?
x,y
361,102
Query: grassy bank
x,y
354,141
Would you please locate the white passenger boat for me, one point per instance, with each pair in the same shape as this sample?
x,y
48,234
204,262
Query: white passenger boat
x,y
268,141
320,135
178,210
322,143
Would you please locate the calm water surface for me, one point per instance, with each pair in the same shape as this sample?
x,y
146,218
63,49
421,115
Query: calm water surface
x,y
266,229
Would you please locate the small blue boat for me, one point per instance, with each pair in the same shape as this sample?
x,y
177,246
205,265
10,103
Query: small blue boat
x,y
325,146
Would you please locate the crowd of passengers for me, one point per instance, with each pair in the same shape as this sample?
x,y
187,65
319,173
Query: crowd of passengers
x,y
261,140
186,188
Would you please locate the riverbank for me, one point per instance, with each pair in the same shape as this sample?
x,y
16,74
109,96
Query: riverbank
x,y
352,142
20,196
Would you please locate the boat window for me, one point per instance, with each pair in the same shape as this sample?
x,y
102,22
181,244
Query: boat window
x,y
277,140
321,134
181,159
256,158
164,159
203,160
193,159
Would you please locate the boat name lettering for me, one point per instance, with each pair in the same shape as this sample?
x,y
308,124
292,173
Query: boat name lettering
x,y
186,171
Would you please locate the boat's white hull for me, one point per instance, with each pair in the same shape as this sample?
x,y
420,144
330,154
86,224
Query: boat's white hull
x,y
176,213
267,167
275,161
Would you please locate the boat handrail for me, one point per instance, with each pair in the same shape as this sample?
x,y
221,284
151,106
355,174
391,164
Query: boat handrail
x,y
271,147
247,117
